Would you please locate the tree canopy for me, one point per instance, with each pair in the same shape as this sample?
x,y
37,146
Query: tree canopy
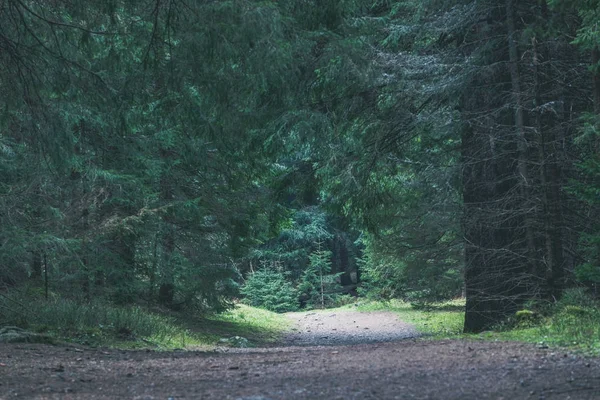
x,y
170,151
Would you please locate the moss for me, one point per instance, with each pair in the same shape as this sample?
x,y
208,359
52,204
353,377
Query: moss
x,y
525,315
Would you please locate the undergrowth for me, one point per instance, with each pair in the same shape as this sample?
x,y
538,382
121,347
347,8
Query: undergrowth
x,y
101,324
573,322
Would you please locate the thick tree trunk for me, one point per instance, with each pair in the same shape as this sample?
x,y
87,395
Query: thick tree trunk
x,y
519,121
500,242
493,273
551,181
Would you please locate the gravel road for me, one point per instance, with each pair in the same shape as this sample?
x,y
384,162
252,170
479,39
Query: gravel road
x,y
345,328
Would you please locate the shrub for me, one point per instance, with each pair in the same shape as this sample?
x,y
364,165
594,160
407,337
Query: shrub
x,y
576,297
268,288
68,318
588,273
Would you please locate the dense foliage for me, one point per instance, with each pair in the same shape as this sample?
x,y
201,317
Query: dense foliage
x,y
171,152
269,288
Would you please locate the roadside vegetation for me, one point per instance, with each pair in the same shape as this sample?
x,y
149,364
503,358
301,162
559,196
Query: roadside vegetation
x,y
572,322
28,319
438,320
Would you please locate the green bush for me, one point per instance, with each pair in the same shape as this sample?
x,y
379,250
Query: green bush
x,y
269,289
576,297
415,278
70,319
588,273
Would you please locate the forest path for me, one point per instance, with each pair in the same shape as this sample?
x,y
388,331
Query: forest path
x,y
345,327
403,369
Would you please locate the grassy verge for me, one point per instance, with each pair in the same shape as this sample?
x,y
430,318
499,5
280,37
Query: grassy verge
x,y
99,324
565,324
259,326
568,324
441,320
573,327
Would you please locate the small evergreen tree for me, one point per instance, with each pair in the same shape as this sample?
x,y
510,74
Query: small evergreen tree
x,y
268,288
317,286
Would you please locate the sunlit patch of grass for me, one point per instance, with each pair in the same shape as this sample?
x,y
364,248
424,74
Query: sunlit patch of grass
x,y
438,320
257,325
573,327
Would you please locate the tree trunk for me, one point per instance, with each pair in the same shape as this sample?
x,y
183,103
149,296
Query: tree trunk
x,y
36,265
551,181
596,78
166,290
46,280
521,139
498,231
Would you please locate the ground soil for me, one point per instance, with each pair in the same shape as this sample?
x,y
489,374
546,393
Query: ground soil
x,y
326,357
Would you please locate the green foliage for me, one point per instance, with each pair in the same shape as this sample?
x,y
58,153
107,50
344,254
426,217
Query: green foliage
x,y
412,278
588,36
526,318
317,287
570,322
586,189
95,323
268,288
578,297
382,278
295,241
101,324
588,273
157,157
525,315
126,179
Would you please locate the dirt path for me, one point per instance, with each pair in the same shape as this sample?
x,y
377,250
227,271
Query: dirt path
x,y
405,369
346,327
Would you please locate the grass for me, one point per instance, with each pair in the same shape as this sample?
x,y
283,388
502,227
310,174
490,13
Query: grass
x,y
576,326
565,325
100,324
259,326
442,320
573,327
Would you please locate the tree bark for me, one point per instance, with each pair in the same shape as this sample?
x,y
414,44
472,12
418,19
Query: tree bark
x,y
36,265
519,121
550,178
596,78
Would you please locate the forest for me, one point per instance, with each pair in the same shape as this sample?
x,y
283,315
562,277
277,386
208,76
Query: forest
x,y
188,155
